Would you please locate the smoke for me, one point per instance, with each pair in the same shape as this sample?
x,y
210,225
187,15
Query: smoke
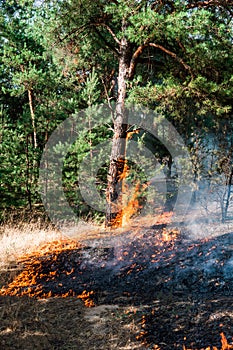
x,y
228,270
204,218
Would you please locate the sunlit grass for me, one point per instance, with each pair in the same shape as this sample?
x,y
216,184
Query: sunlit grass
x,y
23,239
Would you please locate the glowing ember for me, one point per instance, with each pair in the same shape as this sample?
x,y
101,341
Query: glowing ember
x,y
26,283
169,235
86,298
225,345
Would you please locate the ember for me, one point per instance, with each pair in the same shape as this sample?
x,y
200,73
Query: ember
x,y
85,297
225,345
182,287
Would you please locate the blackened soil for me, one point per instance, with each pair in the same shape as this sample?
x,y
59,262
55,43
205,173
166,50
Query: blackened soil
x,y
185,288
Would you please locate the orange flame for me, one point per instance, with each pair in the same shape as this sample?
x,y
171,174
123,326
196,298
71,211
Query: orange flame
x,y
26,283
225,344
128,201
132,205
85,297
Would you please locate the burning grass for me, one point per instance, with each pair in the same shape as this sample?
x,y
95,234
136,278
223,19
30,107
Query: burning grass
x,y
27,281
178,291
225,344
39,321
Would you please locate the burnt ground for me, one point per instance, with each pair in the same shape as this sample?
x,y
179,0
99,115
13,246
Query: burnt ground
x,y
173,290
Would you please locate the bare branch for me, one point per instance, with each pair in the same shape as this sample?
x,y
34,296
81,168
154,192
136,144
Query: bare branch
x,y
110,31
105,41
139,51
134,60
172,54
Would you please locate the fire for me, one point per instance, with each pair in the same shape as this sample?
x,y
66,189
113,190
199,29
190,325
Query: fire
x,y
27,282
128,203
86,298
132,205
225,344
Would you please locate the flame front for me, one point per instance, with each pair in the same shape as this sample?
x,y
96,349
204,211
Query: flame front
x,y
128,203
26,283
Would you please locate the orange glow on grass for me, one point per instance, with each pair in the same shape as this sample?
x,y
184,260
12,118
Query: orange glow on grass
x,y
86,298
225,345
26,283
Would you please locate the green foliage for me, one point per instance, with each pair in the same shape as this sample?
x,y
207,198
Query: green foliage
x,y
17,177
90,92
66,54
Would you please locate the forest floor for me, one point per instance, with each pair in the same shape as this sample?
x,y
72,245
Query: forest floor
x,y
147,287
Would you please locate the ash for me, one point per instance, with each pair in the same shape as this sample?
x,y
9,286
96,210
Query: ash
x,y
180,282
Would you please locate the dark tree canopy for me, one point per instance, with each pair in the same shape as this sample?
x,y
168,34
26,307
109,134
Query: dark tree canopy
x,y
174,57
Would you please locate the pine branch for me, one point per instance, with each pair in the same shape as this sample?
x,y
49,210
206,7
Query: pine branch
x,y
110,31
105,41
172,54
134,60
141,48
210,3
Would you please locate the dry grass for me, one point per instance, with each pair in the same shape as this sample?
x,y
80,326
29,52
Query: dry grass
x,y
22,239
55,323
62,324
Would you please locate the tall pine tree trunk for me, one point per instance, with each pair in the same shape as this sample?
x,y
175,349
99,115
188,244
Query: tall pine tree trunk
x,y
32,117
32,163
117,158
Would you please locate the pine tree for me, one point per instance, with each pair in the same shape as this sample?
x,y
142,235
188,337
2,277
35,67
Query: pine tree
x,y
181,42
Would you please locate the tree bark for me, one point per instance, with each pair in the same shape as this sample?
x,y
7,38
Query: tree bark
x,y
117,158
33,118
227,195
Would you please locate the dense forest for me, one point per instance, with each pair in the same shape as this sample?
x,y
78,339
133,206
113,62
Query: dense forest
x,y
60,57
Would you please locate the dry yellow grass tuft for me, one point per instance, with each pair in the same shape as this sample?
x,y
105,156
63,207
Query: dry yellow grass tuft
x,y
53,323
23,239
